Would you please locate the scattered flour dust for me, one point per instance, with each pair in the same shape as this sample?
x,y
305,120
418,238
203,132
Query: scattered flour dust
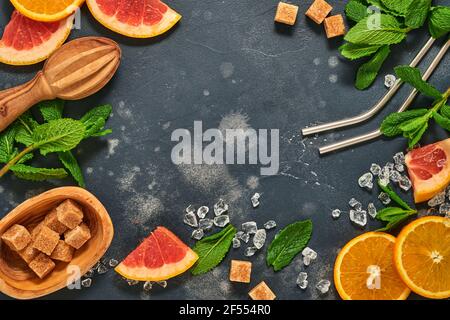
x,y
2,189
112,145
124,112
233,120
128,177
253,182
226,69
212,285
145,206
333,78
333,61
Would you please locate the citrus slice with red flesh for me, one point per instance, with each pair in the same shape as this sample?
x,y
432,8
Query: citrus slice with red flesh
x,y
47,10
161,256
136,19
26,41
429,169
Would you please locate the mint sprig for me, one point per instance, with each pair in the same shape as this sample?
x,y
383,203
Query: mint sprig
x,y
56,135
413,124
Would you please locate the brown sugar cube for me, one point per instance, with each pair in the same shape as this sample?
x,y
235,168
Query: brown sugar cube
x,y
17,237
51,221
29,253
42,265
286,13
63,252
34,230
262,292
334,26
78,236
318,11
69,214
240,271
46,240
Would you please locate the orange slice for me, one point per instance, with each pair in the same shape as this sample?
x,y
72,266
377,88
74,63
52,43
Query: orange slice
x,y
160,256
429,169
364,269
422,256
47,10
26,41
136,19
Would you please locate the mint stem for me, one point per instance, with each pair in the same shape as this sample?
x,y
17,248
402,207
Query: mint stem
x,y
16,159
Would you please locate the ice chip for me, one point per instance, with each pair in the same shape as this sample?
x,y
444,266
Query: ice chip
x,y
375,169
255,199
437,199
395,176
236,243
89,274
197,234
132,282
205,224
399,158
400,167
444,209
372,210
162,284
389,166
190,208
336,213
358,217
308,252
302,280
384,198
245,237
366,181
86,283
249,227
323,286
113,263
101,269
404,183
270,224
307,261
202,212
221,221
147,286
190,219
250,251
259,238
220,207
355,204
389,80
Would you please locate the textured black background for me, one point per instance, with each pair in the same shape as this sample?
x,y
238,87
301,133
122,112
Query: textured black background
x,y
257,75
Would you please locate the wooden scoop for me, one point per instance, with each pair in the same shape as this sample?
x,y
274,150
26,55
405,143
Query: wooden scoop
x,y
78,69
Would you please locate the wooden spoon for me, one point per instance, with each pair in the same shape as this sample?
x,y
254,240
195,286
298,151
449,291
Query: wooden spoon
x,y
17,280
78,69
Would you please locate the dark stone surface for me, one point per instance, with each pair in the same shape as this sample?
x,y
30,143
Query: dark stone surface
x,y
229,66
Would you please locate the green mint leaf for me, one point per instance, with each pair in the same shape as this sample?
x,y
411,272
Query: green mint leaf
x,y
415,136
27,157
7,149
355,10
368,71
51,109
445,111
211,250
37,174
389,32
395,197
288,243
353,51
91,116
439,21
96,127
394,222
25,127
442,121
71,164
413,125
389,213
399,6
58,135
417,13
414,78
102,133
390,126
383,8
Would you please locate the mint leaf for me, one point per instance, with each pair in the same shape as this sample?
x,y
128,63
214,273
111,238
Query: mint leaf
x,y
51,109
389,213
368,71
395,221
71,164
417,13
355,10
442,121
353,51
389,32
413,125
211,250
95,119
414,137
288,243
37,174
25,158
395,197
383,8
390,126
25,127
445,111
399,6
94,128
439,21
102,133
58,135
413,77
7,138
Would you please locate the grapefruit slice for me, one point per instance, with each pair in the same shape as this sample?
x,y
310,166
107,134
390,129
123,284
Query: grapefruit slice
x,y
47,10
429,169
160,256
365,269
136,19
26,41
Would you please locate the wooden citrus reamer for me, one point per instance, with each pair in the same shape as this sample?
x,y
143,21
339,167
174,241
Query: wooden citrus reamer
x,y
78,69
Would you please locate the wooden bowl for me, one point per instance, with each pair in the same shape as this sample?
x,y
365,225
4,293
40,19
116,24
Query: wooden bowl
x,y
17,280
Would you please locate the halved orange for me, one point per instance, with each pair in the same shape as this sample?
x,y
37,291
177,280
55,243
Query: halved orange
x,y
422,256
355,266
429,169
47,10
136,19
